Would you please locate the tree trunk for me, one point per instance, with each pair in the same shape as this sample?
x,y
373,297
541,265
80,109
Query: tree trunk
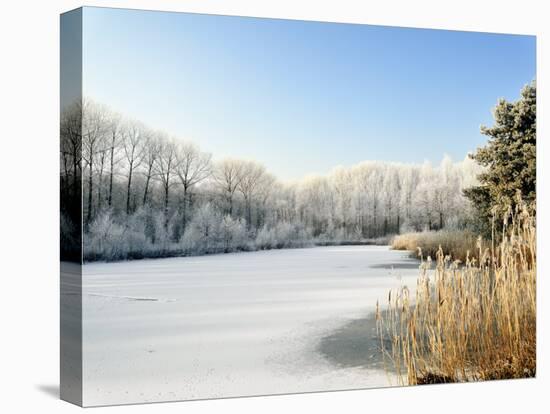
x,y
100,183
128,190
76,183
146,189
184,209
166,190
147,181
90,193
110,202
248,213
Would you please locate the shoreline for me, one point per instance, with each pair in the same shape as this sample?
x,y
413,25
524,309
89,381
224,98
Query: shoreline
x,y
178,254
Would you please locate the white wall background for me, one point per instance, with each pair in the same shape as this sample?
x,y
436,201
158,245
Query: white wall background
x,y
29,298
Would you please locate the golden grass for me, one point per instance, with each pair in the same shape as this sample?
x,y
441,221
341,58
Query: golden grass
x,y
457,243
475,321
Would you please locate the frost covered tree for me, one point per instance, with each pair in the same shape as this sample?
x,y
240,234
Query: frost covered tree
x,y
102,161
409,184
94,127
391,186
166,170
151,151
252,176
233,234
203,234
314,203
193,166
114,138
134,139
70,181
163,196
341,181
227,176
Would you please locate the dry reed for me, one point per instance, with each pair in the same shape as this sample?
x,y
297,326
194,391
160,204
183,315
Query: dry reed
x,y
457,243
471,321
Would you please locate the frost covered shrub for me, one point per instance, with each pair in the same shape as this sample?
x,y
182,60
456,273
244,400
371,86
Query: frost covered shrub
x,y
233,234
331,233
203,233
135,245
135,241
143,235
105,239
156,232
189,242
282,235
339,235
265,239
299,236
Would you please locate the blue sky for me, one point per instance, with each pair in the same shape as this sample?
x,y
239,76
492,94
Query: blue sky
x,y
302,97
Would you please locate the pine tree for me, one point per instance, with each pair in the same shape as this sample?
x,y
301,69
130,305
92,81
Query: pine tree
x,y
509,158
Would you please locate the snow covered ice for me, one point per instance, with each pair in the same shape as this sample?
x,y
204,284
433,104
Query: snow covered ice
x,y
229,325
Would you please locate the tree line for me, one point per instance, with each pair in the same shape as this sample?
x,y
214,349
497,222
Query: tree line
x,y
148,194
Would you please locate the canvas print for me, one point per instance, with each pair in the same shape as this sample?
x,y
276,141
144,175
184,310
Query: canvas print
x,y
264,206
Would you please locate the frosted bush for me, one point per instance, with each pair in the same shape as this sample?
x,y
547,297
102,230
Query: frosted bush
x,y
106,238
233,234
203,234
282,235
265,239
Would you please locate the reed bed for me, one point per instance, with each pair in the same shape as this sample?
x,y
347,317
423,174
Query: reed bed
x,y
457,243
467,321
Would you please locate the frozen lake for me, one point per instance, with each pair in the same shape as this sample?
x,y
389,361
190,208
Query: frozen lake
x,y
230,325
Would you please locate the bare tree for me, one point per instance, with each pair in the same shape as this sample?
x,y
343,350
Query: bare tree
x,y
71,148
114,143
150,156
102,155
165,169
93,130
252,175
193,167
227,176
70,181
133,146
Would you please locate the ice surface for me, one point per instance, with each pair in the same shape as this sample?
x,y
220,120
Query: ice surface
x,y
229,325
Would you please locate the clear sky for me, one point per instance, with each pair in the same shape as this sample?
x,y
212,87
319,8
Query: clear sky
x,y
302,97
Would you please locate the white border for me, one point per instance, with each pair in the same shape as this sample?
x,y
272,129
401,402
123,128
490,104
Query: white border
x,y
29,300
